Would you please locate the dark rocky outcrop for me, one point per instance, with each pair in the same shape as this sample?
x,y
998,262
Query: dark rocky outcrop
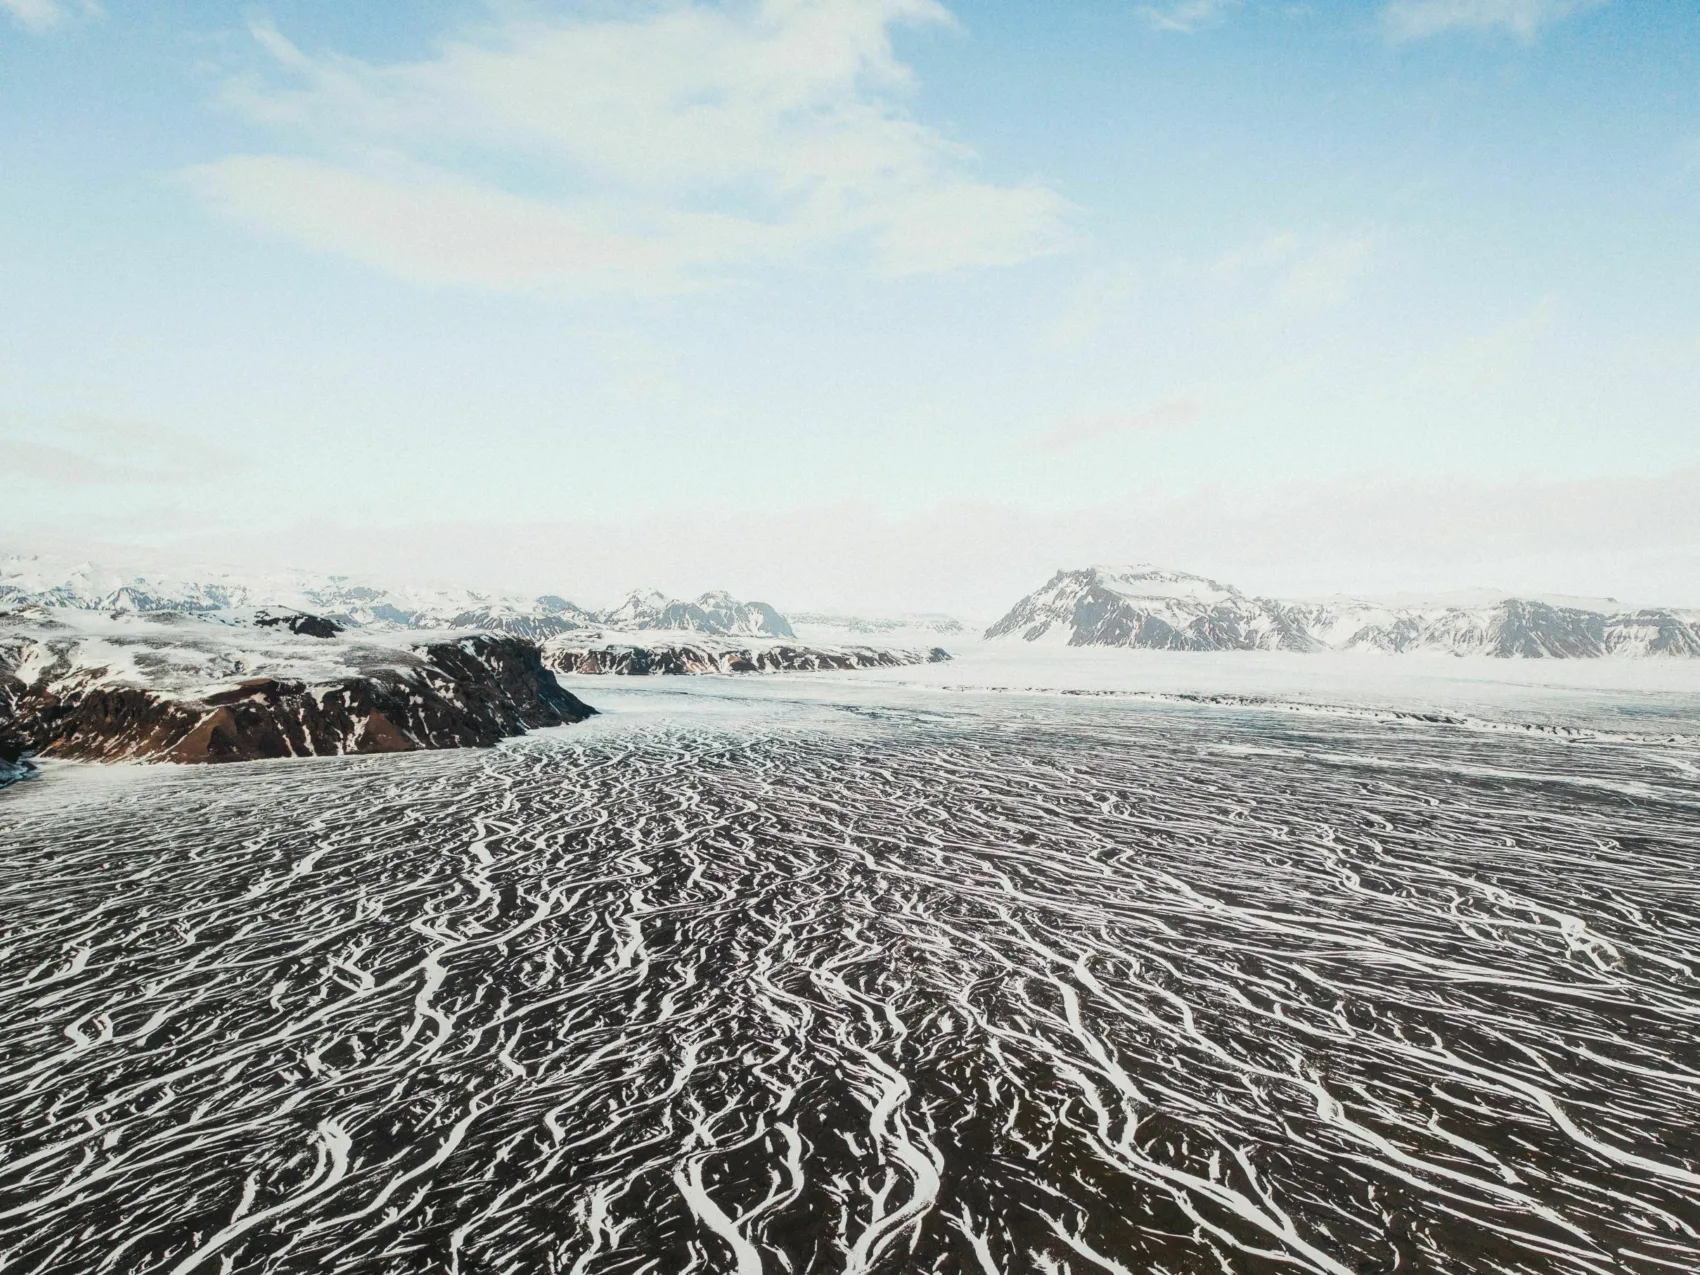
x,y
683,658
13,742
300,622
470,692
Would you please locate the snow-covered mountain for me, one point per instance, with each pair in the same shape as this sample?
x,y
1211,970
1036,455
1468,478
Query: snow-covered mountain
x,y
28,581
1509,627
1144,606
714,612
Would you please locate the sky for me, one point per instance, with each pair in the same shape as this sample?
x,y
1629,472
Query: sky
x,y
880,305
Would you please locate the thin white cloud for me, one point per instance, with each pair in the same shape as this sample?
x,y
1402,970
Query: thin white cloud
x,y
1325,276
39,16
1486,360
1688,158
1185,15
1304,271
85,452
1103,293
1072,432
1264,253
436,228
627,153
1418,19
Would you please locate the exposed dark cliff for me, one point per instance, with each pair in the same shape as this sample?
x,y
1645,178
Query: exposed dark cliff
x,y
299,622
470,692
624,658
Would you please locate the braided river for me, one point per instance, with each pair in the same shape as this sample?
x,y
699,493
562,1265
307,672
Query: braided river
x,y
867,983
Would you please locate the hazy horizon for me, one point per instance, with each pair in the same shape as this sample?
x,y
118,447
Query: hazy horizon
x,y
689,576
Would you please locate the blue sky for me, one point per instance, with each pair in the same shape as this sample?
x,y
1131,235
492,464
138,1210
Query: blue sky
x,y
876,303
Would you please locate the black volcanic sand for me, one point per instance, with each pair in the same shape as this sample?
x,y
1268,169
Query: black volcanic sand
x,y
1062,987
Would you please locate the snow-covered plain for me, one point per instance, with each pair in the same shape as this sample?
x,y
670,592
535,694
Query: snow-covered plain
x,y
1652,697
1630,694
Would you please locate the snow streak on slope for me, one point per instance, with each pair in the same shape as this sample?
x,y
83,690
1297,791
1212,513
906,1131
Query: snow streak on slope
x,y
1058,986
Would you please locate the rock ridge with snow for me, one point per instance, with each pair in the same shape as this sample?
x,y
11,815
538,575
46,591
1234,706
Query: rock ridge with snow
x,y
171,686
1149,607
714,612
686,653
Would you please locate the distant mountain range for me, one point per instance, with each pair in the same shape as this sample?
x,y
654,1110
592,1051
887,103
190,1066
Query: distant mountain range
x,y
349,604
928,622
1118,606
1148,607
714,612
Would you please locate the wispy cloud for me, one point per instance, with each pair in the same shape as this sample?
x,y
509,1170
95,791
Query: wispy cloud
x,y
95,453
641,153
1073,431
1325,275
1417,19
40,16
1485,360
1305,271
1688,158
1101,294
1185,15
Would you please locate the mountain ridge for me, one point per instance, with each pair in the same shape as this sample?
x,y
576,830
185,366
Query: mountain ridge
x,y
1147,607
340,599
